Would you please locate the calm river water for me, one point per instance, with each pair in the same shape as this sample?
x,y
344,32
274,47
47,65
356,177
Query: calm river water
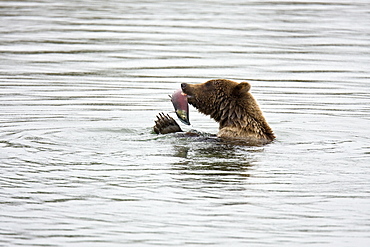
x,y
82,81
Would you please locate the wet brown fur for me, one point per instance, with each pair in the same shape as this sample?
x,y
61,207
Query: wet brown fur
x,y
232,105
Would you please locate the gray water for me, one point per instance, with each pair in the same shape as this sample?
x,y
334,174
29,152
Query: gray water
x,y
82,81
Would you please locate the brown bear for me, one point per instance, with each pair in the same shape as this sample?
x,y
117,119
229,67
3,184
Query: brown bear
x,y
231,105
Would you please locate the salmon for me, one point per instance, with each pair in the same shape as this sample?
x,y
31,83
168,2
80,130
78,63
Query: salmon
x,y
180,103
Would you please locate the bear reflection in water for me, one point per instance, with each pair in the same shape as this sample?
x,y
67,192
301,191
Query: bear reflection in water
x,y
231,105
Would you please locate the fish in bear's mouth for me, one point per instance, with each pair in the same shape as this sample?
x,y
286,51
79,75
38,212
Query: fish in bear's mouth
x,y
180,103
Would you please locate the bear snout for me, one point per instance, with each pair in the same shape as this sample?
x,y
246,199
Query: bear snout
x,y
183,85
186,89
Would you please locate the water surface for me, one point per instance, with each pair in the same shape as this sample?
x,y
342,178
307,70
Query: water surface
x,y
82,81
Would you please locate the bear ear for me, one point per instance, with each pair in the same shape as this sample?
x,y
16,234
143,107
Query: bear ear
x,y
241,88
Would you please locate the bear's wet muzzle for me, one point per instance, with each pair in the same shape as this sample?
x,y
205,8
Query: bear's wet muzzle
x,y
187,89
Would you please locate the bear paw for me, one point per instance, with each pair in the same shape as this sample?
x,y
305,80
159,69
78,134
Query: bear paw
x,y
165,124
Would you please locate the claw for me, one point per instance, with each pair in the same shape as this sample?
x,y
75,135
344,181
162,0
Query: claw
x,y
165,124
